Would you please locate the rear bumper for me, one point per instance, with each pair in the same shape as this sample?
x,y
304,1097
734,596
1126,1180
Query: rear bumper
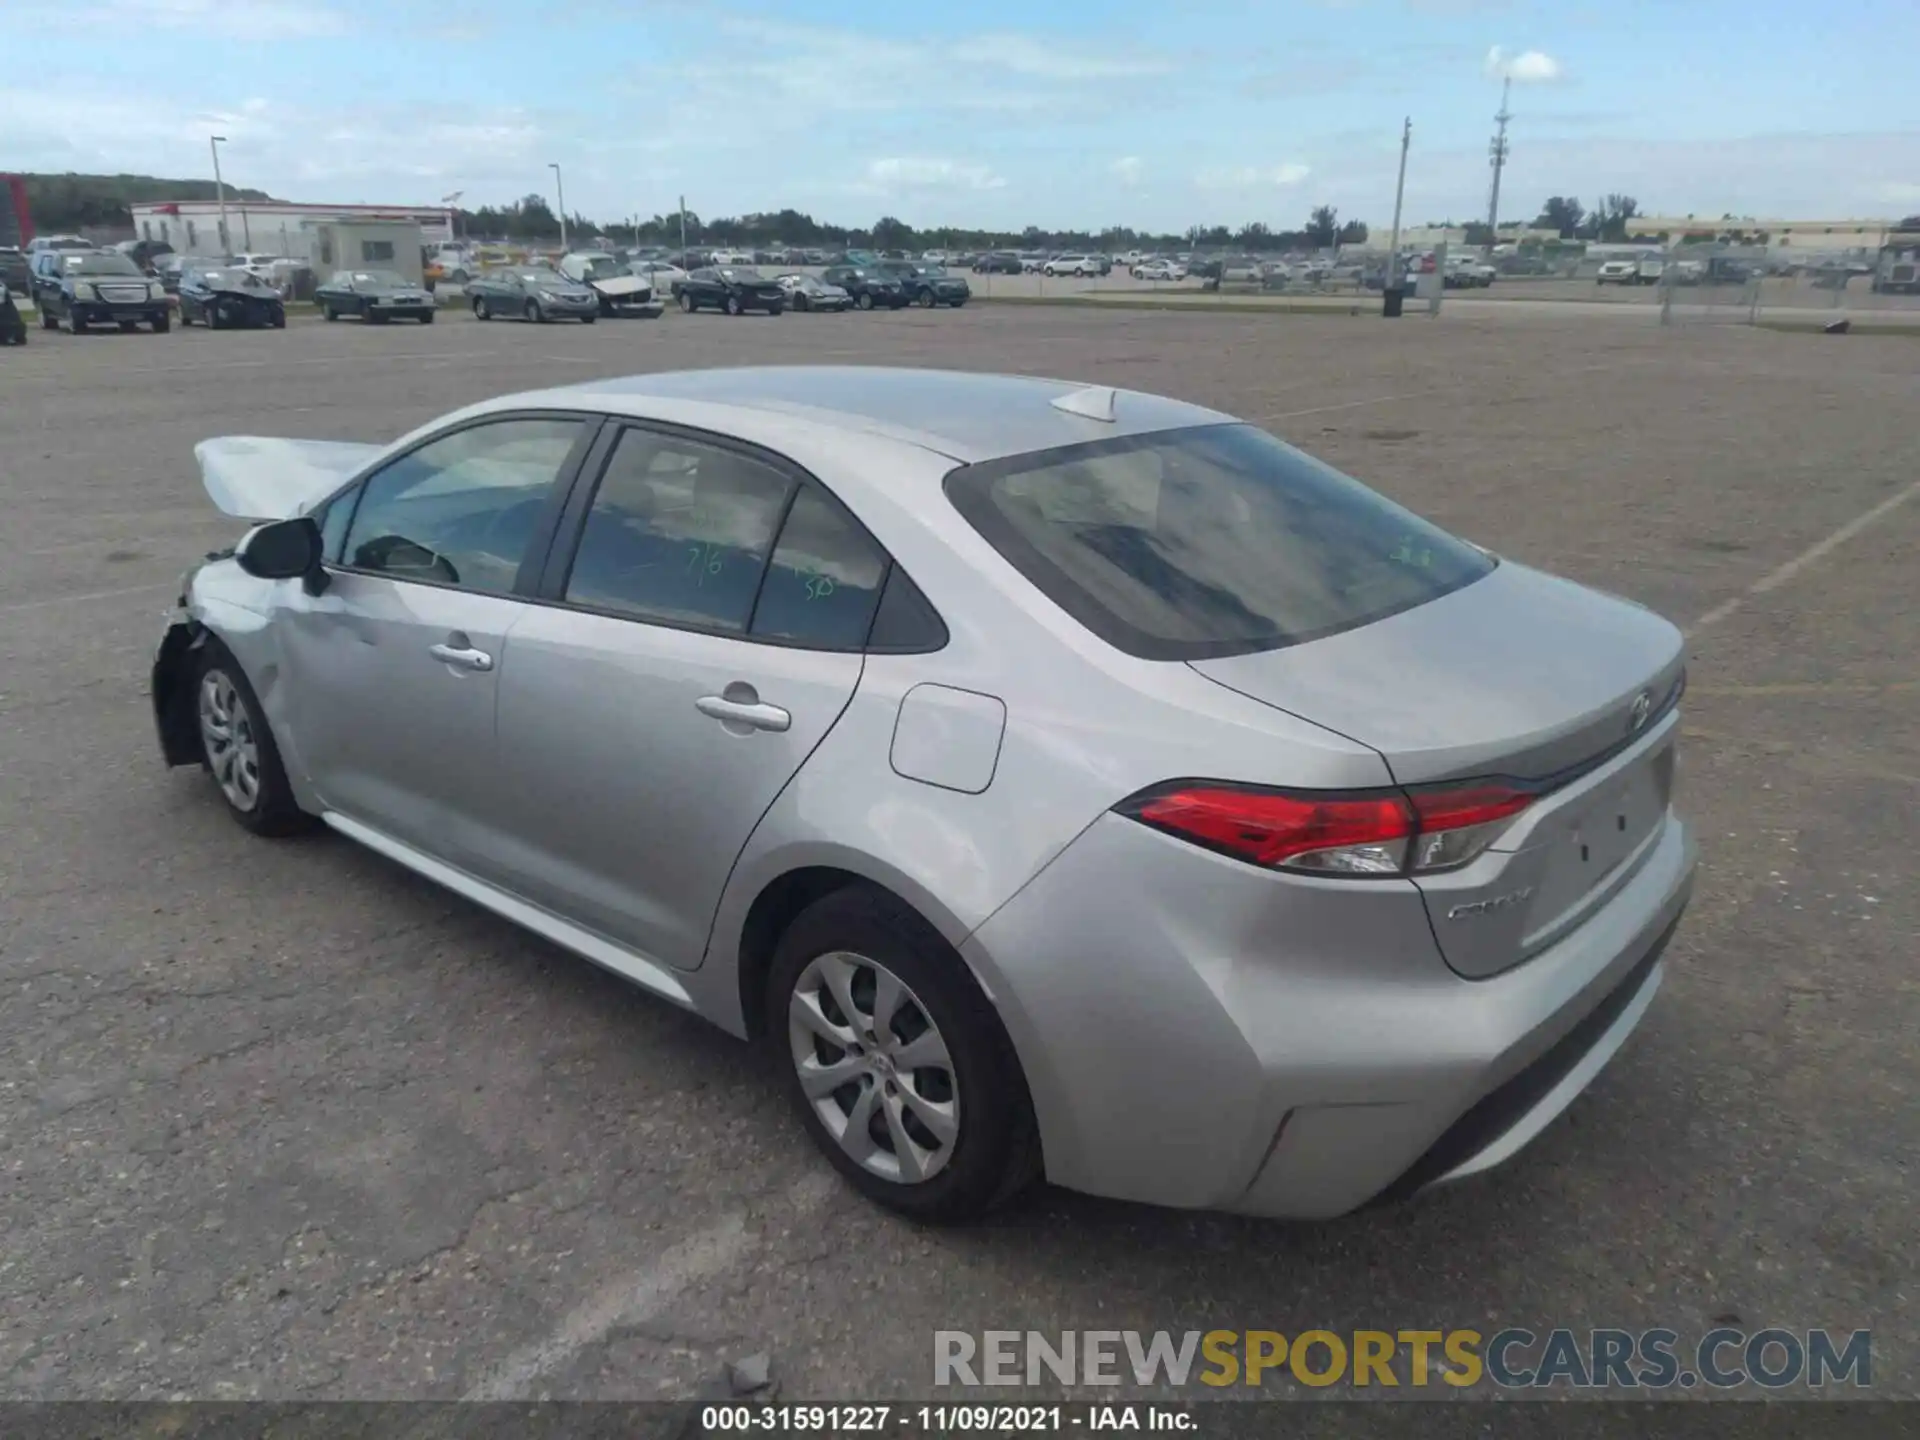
x,y
1226,1038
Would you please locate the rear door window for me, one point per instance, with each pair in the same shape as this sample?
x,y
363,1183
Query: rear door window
x,y
1207,541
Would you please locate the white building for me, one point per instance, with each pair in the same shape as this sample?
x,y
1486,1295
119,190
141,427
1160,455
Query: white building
x,y
192,227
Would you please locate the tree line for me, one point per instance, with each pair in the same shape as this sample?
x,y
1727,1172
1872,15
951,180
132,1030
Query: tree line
x,y
60,203
532,219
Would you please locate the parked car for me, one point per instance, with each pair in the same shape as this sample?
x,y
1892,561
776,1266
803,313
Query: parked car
x,y
735,289
621,291
16,273
376,296
144,252
167,269
1159,270
455,264
970,741
870,286
1060,265
59,242
1649,270
808,292
258,262
96,287
531,292
930,285
1617,272
227,298
662,275
998,262
13,326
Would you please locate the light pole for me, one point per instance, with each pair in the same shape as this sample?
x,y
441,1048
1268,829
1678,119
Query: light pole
x,y
220,193
1497,157
560,193
1399,192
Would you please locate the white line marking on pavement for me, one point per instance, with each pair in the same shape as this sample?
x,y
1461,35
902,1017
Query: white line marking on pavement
x,y
50,603
641,1295
1773,579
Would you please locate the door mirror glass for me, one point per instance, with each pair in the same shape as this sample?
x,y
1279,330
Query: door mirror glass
x,y
284,550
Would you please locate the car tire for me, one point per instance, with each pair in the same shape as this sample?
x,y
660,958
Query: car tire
x,y
534,313
331,313
163,323
48,320
864,300
75,325
869,938
482,310
734,307
426,319
238,749
686,303
925,298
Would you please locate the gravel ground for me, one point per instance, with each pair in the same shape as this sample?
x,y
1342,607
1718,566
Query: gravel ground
x,y
284,1121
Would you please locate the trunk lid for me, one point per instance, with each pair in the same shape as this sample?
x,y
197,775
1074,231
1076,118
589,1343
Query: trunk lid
x,y
1523,676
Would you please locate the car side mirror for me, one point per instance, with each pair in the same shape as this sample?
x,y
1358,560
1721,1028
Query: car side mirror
x,y
282,550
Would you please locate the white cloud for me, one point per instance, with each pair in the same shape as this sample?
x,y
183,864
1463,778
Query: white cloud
x,y
1027,55
239,22
909,172
1529,67
1251,177
1127,170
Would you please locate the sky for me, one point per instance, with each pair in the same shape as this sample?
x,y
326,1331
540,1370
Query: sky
x,y
992,113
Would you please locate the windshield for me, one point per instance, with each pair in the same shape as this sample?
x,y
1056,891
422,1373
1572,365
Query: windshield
x,y
377,277
605,267
544,277
101,265
228,277
734,272
1213,540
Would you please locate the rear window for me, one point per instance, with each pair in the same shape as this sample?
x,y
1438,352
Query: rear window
x,y
1214,540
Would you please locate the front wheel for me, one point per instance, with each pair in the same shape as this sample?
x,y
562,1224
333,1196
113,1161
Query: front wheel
x,y
925,299
734,307
481,310
686,303
865,302
896,1061
238,748
535,313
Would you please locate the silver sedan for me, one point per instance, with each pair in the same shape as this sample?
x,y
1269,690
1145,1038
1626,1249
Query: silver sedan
x,y
1055,780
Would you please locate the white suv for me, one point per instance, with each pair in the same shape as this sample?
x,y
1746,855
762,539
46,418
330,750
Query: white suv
x,y
1071,265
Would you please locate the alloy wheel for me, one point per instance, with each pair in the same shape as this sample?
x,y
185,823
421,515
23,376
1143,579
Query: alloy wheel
x,y
227,732
874,1067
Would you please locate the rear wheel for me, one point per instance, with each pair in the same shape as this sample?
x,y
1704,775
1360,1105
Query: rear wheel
x,y
895,1060
481,310
238,748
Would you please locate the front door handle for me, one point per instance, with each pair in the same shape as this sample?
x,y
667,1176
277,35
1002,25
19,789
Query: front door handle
x,y
750,713
461,657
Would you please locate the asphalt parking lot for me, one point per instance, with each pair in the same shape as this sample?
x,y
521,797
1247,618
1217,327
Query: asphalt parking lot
x,y
282,1120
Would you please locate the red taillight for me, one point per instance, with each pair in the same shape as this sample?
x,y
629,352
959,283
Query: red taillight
x,y
1370,833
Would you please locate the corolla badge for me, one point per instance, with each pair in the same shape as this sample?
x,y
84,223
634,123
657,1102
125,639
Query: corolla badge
x,y
1641,709
1490,907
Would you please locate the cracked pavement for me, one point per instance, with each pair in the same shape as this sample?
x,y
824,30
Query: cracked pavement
x,y
281,1120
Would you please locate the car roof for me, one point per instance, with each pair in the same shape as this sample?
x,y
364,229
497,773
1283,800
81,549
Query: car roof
x,y
966,415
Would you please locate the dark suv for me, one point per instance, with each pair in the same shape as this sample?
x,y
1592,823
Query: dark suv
x,y
92,287
868,285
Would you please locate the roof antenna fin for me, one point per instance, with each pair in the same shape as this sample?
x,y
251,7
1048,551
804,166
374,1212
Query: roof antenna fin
x,y
1093,403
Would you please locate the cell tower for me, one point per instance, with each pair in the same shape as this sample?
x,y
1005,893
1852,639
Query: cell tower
x,y
1497,157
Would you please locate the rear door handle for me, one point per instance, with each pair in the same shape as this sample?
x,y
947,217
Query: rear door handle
x,y
461,657
750,713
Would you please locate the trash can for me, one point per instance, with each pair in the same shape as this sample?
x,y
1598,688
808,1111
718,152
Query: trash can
x,y
1393,298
